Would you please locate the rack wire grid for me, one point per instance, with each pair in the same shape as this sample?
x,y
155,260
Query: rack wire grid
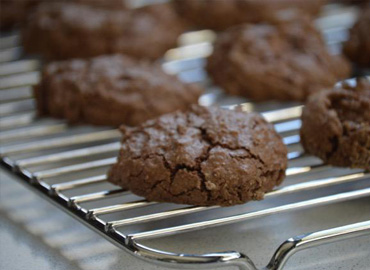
x,y
67,164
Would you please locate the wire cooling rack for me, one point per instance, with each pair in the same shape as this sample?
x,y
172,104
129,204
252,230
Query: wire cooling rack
x,y
67,164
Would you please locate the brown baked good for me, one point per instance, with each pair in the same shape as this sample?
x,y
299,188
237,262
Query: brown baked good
x,y
62,31
285,61
336,125
110,90
352,2
205,156
357,48
15,12
221,14
109,4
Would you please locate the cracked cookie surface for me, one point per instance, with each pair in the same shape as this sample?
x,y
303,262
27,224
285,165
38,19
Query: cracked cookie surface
x,y
205,156
336,125
284,61
110,90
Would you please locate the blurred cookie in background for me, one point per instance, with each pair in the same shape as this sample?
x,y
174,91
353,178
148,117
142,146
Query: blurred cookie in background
x,y
61,31
15,12
357,48
351,2
286,61
221,14
110,90
110,4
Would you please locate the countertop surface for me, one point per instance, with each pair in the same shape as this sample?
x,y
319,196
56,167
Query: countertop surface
x,y
36,235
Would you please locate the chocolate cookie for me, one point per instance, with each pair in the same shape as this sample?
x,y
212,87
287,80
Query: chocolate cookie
x,y
336,125
221,14
62,31
357,48
352,2
285,61
205,156
109,4
15,12
110,90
